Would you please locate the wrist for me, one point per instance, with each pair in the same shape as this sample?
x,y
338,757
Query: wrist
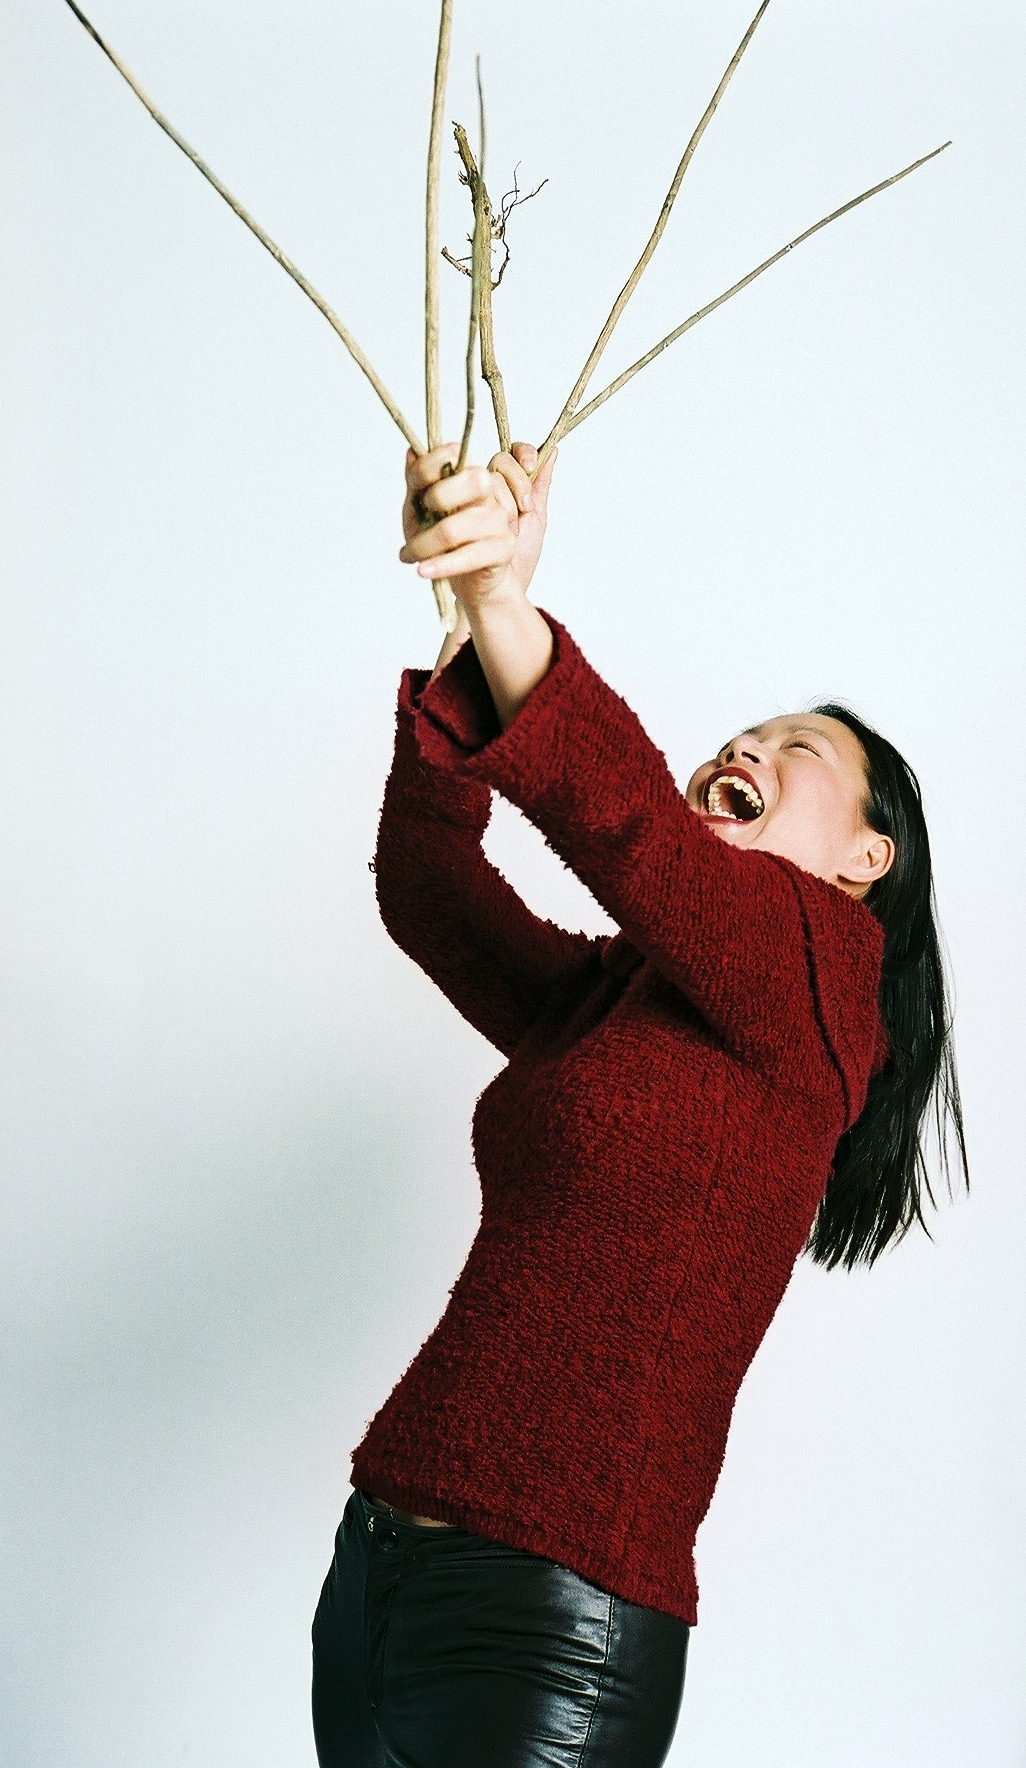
x,y
514,646
504,596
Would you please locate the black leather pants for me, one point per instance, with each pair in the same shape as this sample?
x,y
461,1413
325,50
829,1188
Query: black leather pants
x,y
437,1648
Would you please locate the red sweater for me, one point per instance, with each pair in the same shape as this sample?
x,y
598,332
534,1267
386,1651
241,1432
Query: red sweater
x,y
651,1155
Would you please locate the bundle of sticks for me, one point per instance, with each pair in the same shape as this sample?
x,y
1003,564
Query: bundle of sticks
x,y
488,230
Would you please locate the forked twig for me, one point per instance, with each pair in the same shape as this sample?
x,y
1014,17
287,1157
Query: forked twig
x,y
265,239
489,365
512,200
444,596
710,307
562,423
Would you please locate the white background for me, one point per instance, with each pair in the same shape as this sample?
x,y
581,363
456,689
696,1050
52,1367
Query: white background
x,y
234,1118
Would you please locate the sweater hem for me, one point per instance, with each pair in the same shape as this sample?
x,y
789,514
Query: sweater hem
x,y
535,1535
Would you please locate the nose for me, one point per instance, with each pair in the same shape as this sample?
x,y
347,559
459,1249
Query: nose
x,y
736,751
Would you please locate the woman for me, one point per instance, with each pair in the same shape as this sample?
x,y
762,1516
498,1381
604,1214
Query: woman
x,y
739,1074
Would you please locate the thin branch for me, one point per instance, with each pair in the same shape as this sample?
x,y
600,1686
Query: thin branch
x,y
431,327
455,262
265,240
490,368
498,221
512,200
562,423
481,276
445,599
489,365
629,373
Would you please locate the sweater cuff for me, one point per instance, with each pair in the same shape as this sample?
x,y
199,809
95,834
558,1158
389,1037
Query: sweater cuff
x,y
440,789
456,717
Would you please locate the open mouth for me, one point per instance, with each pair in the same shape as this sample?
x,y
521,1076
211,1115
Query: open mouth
x,y
730,797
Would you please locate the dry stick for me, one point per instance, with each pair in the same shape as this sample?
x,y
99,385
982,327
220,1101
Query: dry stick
x,y
562,423
265,240
444,597
481,271
629,373
431,369
489,365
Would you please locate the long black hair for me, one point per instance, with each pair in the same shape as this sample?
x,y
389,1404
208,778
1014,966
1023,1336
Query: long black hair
x,y
874,1192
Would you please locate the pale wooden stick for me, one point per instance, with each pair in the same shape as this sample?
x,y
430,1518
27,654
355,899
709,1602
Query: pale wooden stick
x,y
431,329
629,373
562,423
489,365
481,271
445,599
490,368
265,240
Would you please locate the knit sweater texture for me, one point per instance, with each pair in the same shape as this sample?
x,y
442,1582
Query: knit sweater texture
x,y
651,1155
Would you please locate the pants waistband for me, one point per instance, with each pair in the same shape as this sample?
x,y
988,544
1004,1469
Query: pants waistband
x,y
392,1513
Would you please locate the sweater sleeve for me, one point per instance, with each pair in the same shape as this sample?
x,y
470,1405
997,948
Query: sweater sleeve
x,y
445,904
730,927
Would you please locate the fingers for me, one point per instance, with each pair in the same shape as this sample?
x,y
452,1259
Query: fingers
x,y
485,522
514,468
473,485
423,469
479,555
478,506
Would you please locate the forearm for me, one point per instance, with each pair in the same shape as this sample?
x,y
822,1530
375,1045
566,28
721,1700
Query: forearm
x,y
453,640
514,647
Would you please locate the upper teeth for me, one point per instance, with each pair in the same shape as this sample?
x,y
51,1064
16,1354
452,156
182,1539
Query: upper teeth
x,y
753,796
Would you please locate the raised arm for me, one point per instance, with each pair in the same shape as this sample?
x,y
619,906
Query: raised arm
x,y
448,907
441,899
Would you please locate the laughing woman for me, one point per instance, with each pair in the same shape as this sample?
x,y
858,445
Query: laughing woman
x,y
740,1074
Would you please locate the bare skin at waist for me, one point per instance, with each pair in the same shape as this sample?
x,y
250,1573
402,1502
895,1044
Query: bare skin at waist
x,y
427,1521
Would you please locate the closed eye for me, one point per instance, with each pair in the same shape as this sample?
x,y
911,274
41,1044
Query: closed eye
x,y
798,744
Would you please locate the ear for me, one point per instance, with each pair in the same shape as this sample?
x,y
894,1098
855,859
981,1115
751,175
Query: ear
x,y
870,863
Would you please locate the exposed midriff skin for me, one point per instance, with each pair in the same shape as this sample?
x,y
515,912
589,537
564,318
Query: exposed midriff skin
x,y
431,1522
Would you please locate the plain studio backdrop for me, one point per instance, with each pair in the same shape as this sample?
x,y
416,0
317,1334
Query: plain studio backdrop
x,y
237,1174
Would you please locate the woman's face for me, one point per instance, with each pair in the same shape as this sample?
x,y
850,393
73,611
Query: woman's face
x,y
809,773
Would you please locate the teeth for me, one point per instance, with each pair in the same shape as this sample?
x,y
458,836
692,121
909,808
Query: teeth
x,y
754,798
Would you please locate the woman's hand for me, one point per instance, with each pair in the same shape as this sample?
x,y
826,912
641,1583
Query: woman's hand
x,y
492,520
